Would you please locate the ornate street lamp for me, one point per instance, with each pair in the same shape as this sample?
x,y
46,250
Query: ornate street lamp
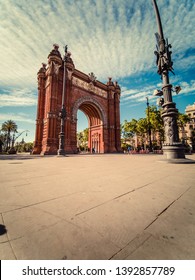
x,y
172,148
62,114
15,138
149,125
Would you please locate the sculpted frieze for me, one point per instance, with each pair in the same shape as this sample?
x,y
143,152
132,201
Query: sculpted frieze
x,y
89,87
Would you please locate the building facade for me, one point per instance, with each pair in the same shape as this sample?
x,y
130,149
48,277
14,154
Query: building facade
x,y
99,102
190,127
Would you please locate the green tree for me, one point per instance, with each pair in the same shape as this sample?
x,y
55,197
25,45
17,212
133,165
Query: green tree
x,y
156,124
128,131
192,139
182,120
23,147
2,140
8,128
82,139
141,129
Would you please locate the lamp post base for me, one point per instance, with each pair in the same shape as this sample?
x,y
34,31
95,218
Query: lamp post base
x,y
61,153
173,152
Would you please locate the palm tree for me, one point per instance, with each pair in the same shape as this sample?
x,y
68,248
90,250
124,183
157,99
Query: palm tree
x,y
8,127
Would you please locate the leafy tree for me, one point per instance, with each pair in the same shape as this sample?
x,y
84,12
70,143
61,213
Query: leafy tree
x,y
182,120
8,128
1,142
128,129
141,129
153,119
192,139
23,147
156,124
82,139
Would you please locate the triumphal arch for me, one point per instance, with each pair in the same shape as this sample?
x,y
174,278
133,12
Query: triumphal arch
x,y
98,101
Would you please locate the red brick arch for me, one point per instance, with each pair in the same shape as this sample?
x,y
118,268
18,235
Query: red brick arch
x,y
99,102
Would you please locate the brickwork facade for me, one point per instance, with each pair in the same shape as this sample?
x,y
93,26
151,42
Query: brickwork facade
x,y
190,127
100,103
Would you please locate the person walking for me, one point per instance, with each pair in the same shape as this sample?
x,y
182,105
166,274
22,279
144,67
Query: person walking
x,y
129,150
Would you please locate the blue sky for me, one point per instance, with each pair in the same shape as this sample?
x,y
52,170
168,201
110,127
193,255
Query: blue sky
x,y
112,38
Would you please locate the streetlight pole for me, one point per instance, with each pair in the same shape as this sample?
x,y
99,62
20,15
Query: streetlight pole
x,y
172,148
62,114
149,127
14,139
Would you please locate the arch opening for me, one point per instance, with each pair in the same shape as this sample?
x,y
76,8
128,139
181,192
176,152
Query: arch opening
x,y
82,132
82,121
95,127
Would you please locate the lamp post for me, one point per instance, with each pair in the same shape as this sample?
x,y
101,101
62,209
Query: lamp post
x,y
172,148
62,113
15,138
13,150
149,126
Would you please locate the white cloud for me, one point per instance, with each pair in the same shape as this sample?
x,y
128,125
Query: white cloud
x,y
17,97
138,96
187,88
17,117
125,93
110,38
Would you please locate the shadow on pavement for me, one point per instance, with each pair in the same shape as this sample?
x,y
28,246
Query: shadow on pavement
x,y
3,229
19,157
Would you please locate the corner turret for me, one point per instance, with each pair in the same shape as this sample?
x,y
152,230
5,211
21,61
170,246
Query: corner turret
x,y
55,55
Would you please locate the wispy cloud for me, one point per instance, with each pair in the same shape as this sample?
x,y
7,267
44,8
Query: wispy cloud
x,y
136,96
17,97
188,88
17,117
107,37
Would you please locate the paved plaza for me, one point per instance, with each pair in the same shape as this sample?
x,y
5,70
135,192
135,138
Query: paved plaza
x,y
106,206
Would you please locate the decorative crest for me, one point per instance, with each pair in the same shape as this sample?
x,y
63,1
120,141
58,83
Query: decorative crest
x,y
66,49
92,77
163,55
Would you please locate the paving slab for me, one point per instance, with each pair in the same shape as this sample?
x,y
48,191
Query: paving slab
x,y
108,206
6,252
63,240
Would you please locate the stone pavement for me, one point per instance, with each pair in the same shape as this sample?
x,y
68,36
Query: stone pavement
x,y
96,207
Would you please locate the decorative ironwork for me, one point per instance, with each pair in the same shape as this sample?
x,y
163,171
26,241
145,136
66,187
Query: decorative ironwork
x,y
163,55
169,113
62,113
